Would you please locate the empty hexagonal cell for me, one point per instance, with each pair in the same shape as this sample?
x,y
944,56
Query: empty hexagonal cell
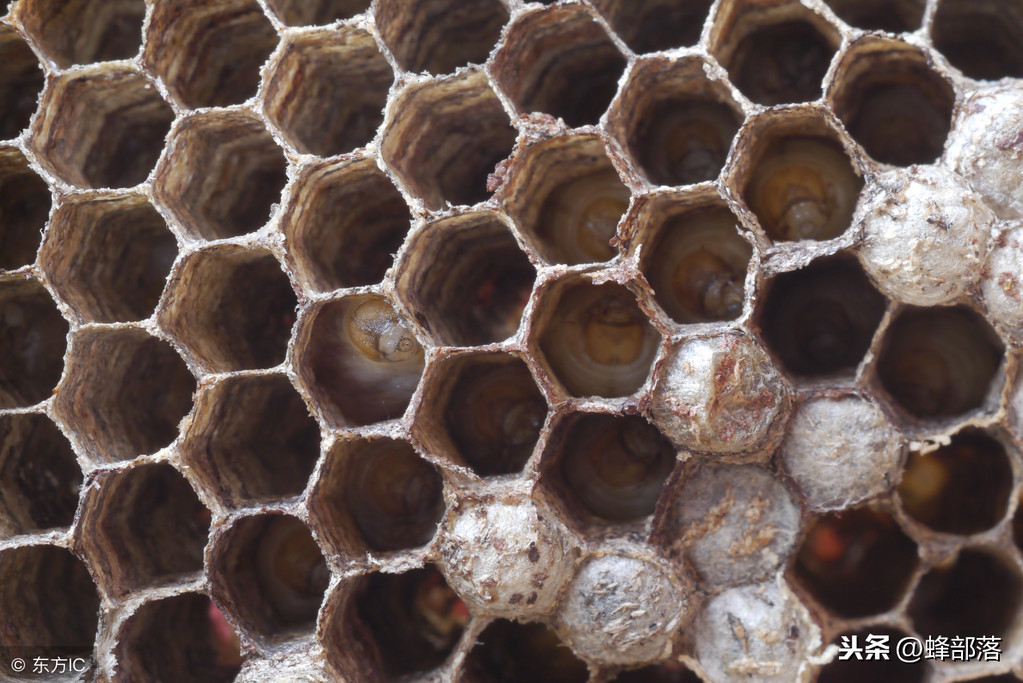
x,y
141,527
891,669
668,672
361,360
508,650
440,35
568,198
252,439
972,593
101,127
47,592
39,478
894,16
959,488
479,295
108,256
482,410
84,31
693,256
982,39
798,179
444,138
939,362
392,626
316,12
559,61
25,205
893,102
209,53
676,122
328,90
378,495
651,25
855,562
125,393
21,81
344,224
595,339
268,570
607,469
184,637
820,319
224,177
775,53
232,307
33,338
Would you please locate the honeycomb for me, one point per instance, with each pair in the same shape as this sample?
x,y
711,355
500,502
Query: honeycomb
x,y
490,340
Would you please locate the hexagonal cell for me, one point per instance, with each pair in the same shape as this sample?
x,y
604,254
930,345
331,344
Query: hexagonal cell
x,y
327,93
820,320
48,593
855,562
232,307
939,362
607,469
798,180
972,593
677,123
894,16
102,126
775,52
440,35
444,138
141,527
361,361
33,338
595,339
508,650
559,61
982,39
268,570
224,177
567,197
395,625
316,12
479,295
184,637
892,101
209,53
39,477
377,495
125,392
891,670
25,205
84,31
482,410
959,488
668,672
344,224
108,256
251,439
652,25
21,81
693,256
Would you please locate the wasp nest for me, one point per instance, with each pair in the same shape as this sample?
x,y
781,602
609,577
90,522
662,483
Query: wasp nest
x,y
492,340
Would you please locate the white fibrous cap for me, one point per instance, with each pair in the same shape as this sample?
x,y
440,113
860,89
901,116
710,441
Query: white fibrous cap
x,y
986,147
755,633
622,609
1002,286
926,235
841,451
737,523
